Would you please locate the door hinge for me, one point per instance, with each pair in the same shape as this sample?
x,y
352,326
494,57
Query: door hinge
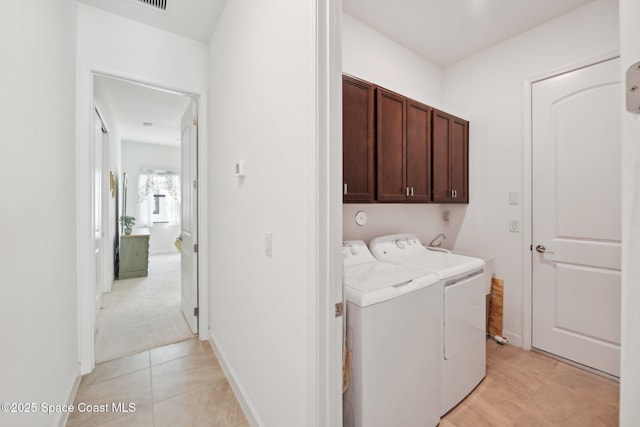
x,y
195,185
633,88
195,120
531,248
339,309
195,248
196,311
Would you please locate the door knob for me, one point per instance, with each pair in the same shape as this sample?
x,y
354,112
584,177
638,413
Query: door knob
x,y
542,249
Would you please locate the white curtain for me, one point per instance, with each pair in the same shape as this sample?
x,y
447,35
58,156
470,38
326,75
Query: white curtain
x,y
150,184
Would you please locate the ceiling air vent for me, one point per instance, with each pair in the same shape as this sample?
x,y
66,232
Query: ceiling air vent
x,y
158,4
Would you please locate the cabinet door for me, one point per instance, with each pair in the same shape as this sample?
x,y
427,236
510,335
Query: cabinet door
x,y
459,160
390,146
358,159
440,157
418,151
450,158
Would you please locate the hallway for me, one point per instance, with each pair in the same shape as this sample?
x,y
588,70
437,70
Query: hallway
x,y
142,313
180,384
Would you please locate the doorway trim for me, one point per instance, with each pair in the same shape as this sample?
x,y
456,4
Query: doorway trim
x,y
85,272
527,180
326,342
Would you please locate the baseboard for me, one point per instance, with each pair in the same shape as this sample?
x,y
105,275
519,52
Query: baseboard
x,y
64,416
246,406
514,339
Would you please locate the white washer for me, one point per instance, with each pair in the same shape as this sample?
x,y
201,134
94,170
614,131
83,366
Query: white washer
x,y
463,301
394,318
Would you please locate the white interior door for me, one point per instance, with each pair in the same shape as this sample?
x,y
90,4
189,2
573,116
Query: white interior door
x,y
189,217
98,261
576,214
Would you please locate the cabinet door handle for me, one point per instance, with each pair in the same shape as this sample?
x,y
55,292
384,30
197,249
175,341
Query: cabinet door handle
x,y
412,191
406,191
452,194
345,189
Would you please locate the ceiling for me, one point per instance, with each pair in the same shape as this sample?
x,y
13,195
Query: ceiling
x,y
195,19
131,105
442,31
446,31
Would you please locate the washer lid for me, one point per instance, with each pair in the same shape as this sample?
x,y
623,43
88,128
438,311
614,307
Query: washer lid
x,y
406,249
369,284
369,281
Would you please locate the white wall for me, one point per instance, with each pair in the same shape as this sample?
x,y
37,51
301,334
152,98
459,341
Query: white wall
x,y
137,156
488,90
117,46
38,332
371,56
262,111
630,370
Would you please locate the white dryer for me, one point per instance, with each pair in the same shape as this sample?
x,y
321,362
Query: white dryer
x,y
394,318
463,301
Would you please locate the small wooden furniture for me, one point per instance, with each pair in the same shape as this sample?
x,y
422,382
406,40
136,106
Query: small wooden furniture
x,y
134,253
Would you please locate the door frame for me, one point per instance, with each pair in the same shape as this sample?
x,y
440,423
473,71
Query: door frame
x,y
527,180
325,342
84,172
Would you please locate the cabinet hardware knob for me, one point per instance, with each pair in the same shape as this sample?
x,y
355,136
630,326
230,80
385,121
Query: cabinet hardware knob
x,y
345,189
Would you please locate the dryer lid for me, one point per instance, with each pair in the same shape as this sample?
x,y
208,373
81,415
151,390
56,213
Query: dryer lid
x,y
407,250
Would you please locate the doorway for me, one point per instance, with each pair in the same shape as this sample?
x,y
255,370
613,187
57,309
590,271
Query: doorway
x,y
576,217
143,298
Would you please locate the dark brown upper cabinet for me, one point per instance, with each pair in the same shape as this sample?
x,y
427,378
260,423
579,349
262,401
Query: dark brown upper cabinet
x,y
403,145
391,146
450,158
398,150
358,143
418,151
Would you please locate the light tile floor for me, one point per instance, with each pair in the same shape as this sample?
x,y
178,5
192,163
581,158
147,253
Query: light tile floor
x,y
183,385
177,385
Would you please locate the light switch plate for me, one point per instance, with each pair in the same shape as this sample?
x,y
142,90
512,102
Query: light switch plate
x,y
514,198
268,244
514,225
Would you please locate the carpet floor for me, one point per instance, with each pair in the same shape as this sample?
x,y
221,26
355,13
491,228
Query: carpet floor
x,y
142,313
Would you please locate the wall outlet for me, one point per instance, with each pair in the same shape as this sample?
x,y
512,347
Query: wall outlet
x,y
514,225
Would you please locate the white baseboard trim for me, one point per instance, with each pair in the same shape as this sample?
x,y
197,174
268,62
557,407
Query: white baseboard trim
x,y
246,406
514,339
64,416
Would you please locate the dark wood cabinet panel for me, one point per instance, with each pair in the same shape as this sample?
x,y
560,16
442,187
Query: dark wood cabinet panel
x,y
390,146
396,149
450,158
459,161
418,152
440,157
358,170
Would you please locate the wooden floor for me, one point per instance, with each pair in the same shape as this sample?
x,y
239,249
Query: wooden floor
x,y
183,385
528,389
